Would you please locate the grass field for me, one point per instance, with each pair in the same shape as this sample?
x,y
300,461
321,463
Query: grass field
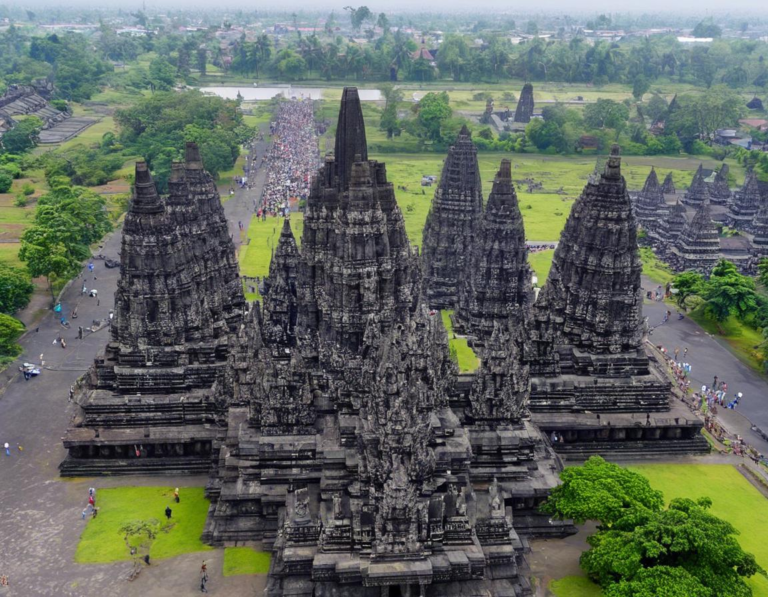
x,y
262,239
541,263
654,268
734,499
574,586
465,356
101,540
245,560
9,253
740,339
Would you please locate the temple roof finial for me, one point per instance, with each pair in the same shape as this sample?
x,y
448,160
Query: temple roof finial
x,y
350,135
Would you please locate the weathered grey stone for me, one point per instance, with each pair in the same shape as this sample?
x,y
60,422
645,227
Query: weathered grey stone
x,y
668,187
698,247
746,203
719,191
496,280
698,192
451,224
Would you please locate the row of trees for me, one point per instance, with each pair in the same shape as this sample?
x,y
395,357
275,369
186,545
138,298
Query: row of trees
x,y
644,548
157,127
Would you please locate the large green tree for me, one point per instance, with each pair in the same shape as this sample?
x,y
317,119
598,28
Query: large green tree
x,y
727,292
15,288
10,331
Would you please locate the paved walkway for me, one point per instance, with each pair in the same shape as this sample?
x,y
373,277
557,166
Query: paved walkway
x,y
40,514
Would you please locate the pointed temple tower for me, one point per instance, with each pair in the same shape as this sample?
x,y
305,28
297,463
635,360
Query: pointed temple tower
x,y
146,404
719,191
524,110
651,208
746,203
588,353
668,187
698,192
280,301
355,252
698,247
760,228
497,277
451,223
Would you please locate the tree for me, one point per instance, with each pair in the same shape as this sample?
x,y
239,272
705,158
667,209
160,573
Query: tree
x,y
15,288
162,75
729,293
606,113
762,272
685,537
358,16
6,181
687,284
433,110
601,491
656,108
10,331
389,120
640,87
23,137
660,580
707,28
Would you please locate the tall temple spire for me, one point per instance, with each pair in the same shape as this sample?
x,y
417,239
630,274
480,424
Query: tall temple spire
x,y
668,187
496,282
593,292
719,190
760,227
351,145
280,306
451,223
698,246
746,203
698,192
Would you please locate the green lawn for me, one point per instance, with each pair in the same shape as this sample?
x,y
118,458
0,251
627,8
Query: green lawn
x,y
9,253
465,356
574,586
734,499
245,560
541,263
263,236
102,542
92,135
740,339
654,268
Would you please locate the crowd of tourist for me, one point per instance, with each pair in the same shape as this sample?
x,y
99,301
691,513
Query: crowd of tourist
x,y
291,160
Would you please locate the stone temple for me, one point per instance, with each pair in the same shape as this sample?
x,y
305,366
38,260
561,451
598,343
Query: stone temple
x,y
524,110
356,454
336,427
146,404
451,223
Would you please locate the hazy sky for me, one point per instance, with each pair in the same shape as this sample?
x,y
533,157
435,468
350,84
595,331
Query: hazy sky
x,y
565,6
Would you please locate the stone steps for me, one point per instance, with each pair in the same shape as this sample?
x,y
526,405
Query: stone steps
x,y
634,449
96,467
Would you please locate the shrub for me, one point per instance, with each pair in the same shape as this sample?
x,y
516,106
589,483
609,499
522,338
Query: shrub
x,y
6,181
21,200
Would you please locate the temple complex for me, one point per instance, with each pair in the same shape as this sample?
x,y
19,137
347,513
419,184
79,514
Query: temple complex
x,y
496,282
524,110
146,404
760,228
355,453
280,291
451,224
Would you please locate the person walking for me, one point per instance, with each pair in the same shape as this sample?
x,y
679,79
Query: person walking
x,y
203,577
176,495
168,512
7,447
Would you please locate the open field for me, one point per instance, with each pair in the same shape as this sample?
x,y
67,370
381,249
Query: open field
x,y
465,356
102,541
262,239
